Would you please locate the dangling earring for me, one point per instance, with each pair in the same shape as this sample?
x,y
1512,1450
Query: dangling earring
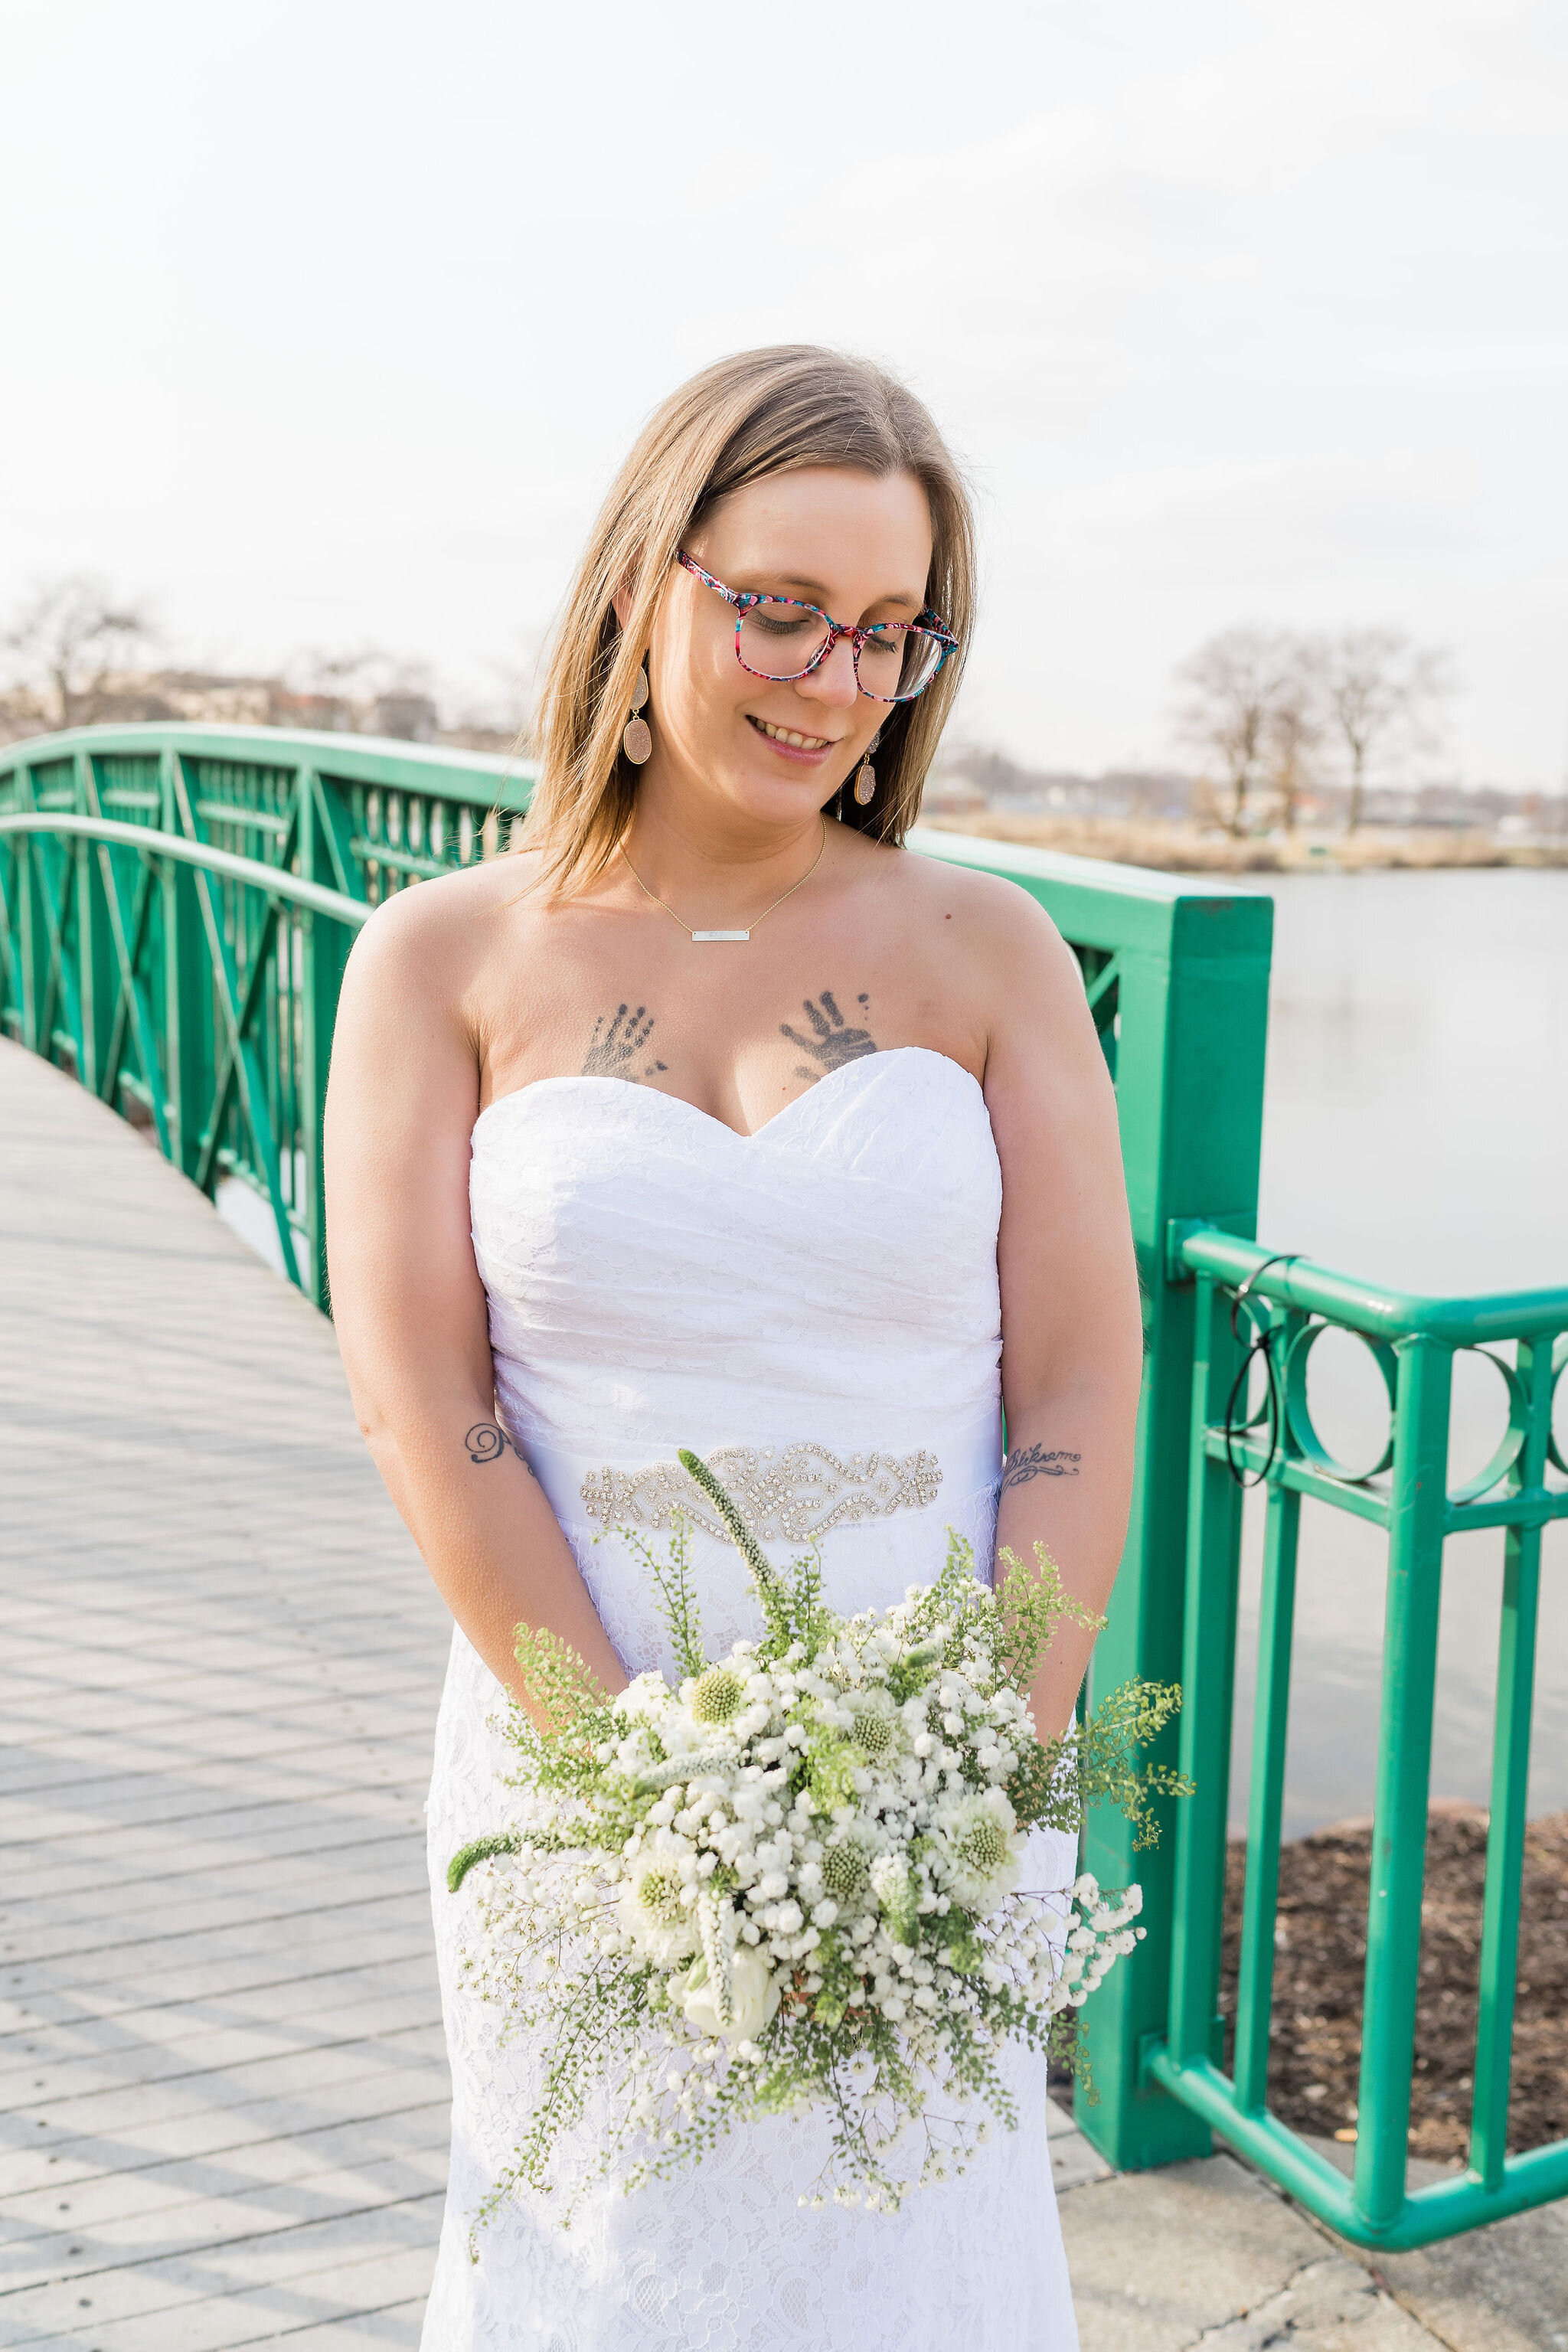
x,y
637,741
866,777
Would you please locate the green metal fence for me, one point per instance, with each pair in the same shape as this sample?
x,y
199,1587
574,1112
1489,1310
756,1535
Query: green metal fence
x,y
1287,1304
175,907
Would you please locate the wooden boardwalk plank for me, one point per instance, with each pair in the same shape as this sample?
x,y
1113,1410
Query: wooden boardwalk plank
x,y
222,2085
168,2057
288,2262
368,2145
180,2223
369,1855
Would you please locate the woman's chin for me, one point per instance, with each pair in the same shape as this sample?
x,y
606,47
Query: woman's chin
x,y
776,800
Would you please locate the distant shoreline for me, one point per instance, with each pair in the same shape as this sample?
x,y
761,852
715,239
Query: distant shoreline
x,y
1176,847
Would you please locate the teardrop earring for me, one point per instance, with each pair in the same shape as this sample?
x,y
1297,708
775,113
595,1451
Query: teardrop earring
x,y
866,775
637,741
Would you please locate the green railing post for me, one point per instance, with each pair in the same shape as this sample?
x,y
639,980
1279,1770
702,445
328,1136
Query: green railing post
x,y
57,1017
1510,1781
187,994
99,987
32,930
1208,1679
1417,1525
1275,1623
323,834
1189,1080
187,1018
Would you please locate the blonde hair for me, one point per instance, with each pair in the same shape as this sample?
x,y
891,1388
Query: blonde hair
x,y
756,414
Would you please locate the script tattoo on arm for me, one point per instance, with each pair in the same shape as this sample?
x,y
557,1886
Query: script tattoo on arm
x,y
1035,1462
833,1041
487,1442
617,1040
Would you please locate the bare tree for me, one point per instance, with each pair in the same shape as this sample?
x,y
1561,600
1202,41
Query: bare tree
x,y
1293,728
62,647
1233,685
1379,690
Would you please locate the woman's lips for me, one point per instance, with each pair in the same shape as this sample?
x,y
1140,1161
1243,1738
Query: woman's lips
x,y
809,754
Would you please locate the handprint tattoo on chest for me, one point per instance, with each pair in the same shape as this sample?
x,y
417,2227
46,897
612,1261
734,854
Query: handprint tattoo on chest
x,y
833,1040
617,1042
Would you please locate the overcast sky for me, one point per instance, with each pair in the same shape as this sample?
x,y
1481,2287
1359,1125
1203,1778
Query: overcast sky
x,y
325,322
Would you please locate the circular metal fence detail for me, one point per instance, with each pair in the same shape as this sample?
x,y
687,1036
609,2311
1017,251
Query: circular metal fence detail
x,y
1559,1366
1509,1446
1298,1412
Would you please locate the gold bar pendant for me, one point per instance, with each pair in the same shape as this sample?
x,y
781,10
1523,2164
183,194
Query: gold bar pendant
x,y
721,935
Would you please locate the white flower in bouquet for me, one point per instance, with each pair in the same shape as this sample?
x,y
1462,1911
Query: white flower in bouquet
x,y
978,1851
794,1879
654,1908
753,1999
877,1727
644,1699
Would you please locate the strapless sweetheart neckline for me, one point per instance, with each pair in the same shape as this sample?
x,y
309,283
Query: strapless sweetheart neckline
x,y
679,1102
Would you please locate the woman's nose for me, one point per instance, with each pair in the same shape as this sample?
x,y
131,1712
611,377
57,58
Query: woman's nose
x,y
833,681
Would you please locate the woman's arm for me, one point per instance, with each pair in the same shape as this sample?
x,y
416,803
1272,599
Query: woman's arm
x,y
1072,1343
406,1296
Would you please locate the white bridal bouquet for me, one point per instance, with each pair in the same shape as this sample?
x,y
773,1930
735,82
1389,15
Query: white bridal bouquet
x,y
795,1879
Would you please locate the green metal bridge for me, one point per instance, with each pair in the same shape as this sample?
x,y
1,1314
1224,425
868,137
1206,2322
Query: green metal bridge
x,y
176,904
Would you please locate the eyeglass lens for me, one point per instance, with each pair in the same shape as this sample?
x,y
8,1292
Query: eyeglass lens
x,y
781,640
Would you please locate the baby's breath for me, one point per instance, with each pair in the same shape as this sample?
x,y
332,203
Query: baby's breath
x,y
794,1880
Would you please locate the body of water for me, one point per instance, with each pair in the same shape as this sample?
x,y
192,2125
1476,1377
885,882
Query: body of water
x,y
1416,1133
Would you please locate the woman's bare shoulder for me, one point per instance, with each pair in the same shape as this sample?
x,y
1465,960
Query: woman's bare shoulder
x,y
984,948
976,914
441,931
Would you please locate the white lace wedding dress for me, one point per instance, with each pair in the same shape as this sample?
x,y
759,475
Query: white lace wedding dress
x,y
824,1293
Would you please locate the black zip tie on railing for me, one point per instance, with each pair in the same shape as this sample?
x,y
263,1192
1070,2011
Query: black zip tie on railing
x,y
1262,1347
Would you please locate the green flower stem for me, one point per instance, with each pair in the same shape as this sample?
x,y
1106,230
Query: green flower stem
x,y
740,1535
483,1848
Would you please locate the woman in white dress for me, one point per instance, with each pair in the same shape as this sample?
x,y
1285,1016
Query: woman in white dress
x,y
715,1118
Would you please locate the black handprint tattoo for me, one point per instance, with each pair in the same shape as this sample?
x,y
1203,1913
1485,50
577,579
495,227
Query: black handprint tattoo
x,y
611,1049
834,1043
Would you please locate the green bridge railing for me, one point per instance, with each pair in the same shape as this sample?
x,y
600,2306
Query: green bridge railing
x,y
1288,1304
177,907
176,904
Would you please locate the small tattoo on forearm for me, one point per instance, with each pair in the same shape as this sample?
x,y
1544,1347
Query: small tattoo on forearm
x,y
487,1441
1035,1462
617,1042
834,1042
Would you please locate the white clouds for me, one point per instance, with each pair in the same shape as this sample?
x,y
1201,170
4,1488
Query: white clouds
x,y
347,313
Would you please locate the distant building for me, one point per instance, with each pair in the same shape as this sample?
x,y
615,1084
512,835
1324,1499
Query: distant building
x,y
204,697
971,777
320,714
215,698
412,718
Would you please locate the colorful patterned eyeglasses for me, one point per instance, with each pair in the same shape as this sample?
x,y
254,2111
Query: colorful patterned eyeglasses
x,y
780,638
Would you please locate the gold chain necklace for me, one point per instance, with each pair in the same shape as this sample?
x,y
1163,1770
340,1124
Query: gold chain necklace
x,y
700,937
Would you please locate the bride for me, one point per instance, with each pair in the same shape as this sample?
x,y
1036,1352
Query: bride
x,y
714,1118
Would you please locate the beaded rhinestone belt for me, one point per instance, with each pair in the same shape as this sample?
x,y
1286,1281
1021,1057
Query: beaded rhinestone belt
x,y
788,1494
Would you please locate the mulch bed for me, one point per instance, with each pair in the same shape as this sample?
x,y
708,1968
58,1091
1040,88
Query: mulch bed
x,y
1321,1955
